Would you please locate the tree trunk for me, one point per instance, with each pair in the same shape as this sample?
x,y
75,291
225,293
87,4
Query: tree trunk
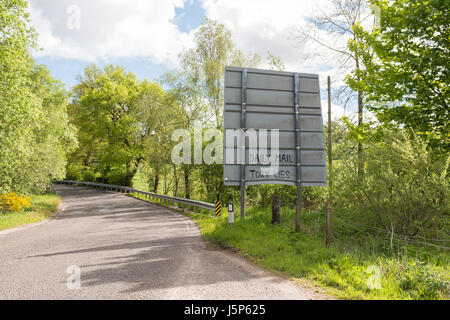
x,y
165,182
360,146
187,186
129,177
360,123
276,209
175,178
155,187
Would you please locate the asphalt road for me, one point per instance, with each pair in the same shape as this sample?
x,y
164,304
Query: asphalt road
x,y
127,249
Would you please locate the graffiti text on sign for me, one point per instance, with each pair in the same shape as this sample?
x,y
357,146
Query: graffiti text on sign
x,y
282,174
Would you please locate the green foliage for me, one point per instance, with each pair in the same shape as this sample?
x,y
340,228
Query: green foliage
x,y
55,136
116,115
405,186
206,62
261,196
19,109
422,282
204,65
42,205
406,66
342,270
34,130
197,89
275,62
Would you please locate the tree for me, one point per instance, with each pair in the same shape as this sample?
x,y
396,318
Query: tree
x,y
405,189
198,87
193,111
406,59
117,114
205,63
54,137
158,154
34,132
329,35
275,62
18,107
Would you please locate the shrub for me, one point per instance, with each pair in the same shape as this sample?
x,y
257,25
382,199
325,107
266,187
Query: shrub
x,y
116,176
14,203
421,282
74,172
405,186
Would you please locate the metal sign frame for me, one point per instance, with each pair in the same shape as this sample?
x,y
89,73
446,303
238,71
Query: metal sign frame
x,y
287,101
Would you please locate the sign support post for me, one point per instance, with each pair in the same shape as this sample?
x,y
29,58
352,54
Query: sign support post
x,y
276,118
299,203
243,142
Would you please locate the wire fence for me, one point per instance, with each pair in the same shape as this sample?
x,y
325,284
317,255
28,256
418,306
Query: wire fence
x,y
390,234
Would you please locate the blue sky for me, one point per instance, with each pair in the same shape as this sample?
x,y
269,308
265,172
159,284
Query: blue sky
x,y
190,17
67,70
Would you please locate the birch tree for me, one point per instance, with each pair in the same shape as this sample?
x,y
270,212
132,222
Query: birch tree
x,y
327,36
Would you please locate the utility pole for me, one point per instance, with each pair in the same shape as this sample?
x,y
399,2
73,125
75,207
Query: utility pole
x,y
330,171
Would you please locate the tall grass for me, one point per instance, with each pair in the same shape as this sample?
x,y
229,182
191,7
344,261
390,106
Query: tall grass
x,y
358,265
363,262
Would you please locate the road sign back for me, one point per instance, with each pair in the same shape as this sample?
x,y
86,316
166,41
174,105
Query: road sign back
x,y
276,116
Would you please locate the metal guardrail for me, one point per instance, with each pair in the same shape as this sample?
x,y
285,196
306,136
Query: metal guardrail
x,y
167,200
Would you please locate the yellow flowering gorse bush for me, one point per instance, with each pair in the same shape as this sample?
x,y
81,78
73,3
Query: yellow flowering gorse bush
x,y
13,202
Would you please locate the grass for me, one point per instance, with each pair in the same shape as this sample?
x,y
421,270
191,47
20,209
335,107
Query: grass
x,y
358,265
42,206
346,270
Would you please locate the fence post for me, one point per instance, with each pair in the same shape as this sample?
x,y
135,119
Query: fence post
x,y
276,209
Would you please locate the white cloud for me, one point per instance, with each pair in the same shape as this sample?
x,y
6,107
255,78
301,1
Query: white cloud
x,y
148,28
109,29
337,111
265,25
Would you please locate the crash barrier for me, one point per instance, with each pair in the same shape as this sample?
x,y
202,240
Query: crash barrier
x,y
163,199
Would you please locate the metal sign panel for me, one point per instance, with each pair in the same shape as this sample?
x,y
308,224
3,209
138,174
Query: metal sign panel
x,y
264,103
